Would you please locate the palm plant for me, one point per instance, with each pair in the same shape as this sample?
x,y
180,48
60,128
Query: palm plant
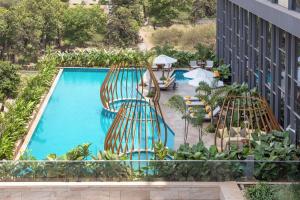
x,y
211,95
197,120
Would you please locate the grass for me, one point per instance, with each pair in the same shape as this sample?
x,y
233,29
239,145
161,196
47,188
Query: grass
x,y
184,37
273,192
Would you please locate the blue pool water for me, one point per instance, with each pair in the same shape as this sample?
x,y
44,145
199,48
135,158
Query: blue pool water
x,y
74,115
179,75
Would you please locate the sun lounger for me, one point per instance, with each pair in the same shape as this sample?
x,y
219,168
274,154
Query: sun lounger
x,y
168,84
154,68
215,112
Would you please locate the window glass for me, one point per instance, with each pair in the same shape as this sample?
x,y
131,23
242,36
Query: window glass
x,y
284,3
297,92
282,69
282,39
297,5
269,29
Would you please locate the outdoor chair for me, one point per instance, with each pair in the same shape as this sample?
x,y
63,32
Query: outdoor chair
x,y
154,67
165,85
194,65
209,64
214,113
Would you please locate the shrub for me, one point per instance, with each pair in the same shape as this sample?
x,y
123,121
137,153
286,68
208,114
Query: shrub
x,y
14,122
185,37
260,192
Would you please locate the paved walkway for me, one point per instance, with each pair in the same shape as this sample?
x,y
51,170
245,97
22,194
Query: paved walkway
x,y
174,118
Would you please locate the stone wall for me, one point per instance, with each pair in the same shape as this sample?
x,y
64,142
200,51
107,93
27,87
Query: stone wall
x,y
120,191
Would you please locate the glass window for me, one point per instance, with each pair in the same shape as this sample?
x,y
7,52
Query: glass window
x,y
257,27
297,92
282,39
282,69
268,75
297,5
269,29
284,3
281,109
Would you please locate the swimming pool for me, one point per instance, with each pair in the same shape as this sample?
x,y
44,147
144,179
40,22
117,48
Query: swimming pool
x,y
74,115
179,75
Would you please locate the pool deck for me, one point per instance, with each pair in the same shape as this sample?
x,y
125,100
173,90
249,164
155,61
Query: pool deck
x,y
174,118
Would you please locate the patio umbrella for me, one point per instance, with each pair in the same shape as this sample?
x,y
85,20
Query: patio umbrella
x,y
164,60
209,81
198,73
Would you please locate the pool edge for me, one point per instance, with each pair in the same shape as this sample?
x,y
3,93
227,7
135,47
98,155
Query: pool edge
x,y
37,117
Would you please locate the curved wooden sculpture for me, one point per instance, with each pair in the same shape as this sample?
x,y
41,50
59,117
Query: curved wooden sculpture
x,y
139,122
240,117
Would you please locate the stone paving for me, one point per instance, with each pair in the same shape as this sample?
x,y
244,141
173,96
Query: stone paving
x,y
174,118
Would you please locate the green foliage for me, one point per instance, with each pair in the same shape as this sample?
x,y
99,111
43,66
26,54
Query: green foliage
x,y
160,151
202,9
81,23
14,123
81,152
212,95
224,71
275,146
260,192
183,57
163,12
101,58
122,28
10,80
108,155
177,102
32,25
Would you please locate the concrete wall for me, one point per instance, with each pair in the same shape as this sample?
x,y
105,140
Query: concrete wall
x,y
278,15
120,191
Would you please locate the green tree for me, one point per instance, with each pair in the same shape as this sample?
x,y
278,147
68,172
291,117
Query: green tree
x,y
122,29
9,83
81,23
212,95
31,26
201,9
163,12
3,31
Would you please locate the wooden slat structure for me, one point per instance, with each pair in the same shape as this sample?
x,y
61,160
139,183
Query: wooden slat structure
x,y
241,116
139,122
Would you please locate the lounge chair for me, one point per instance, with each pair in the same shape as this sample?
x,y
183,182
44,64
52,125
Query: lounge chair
x,y
168,83
215,112
164,81
209,64
193,64
154,67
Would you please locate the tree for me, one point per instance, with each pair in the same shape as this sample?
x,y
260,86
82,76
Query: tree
x,y
9,83
32,25
163,12
3,31
211,95
81,23
201,9
197,120
122,28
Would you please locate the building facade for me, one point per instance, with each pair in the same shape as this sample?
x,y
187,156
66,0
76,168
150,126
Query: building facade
x,y
260,39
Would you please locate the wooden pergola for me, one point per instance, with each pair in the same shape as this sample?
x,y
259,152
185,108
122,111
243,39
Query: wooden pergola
x,y
139,122
240,117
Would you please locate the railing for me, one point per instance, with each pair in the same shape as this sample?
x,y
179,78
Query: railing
x,y
100,171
